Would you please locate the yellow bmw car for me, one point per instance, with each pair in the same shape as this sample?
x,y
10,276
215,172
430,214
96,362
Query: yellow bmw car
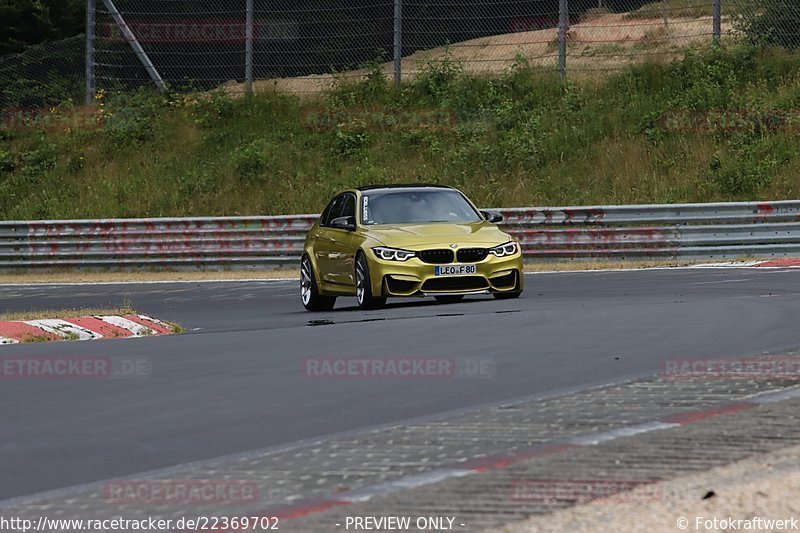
x,y
406,240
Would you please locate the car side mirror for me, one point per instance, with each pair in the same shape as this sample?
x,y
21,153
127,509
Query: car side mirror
x,y
492,216
345,223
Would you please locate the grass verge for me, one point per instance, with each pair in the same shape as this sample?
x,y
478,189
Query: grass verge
x,y
522,138
40,314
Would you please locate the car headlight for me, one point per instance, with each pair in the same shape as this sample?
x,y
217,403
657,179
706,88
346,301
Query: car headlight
x,y
504,250
393,254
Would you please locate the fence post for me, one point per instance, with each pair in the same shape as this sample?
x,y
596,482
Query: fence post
x,y
717,31
90,35
665,12
563,27
136,45
398,42
248,62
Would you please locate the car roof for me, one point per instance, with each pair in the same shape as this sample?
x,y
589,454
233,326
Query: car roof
x,y
403,186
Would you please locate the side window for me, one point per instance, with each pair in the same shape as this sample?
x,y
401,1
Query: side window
x,y
349,206
331,212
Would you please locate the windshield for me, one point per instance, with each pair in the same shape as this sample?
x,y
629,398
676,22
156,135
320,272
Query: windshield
x,y
416,207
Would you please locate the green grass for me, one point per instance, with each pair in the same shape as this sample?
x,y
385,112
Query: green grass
x,y
521,139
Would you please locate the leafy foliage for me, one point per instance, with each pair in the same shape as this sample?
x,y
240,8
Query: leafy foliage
x,y
26,22
776,24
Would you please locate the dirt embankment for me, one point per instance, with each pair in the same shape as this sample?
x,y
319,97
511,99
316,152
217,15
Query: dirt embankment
x,y
599,44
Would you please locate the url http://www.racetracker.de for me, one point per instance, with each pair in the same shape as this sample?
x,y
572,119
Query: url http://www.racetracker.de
x,y
199,523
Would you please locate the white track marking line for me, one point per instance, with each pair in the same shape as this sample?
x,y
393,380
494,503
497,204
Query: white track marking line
x,y
604,436
721,281
404,483
773,396
64,329
734,264
138,330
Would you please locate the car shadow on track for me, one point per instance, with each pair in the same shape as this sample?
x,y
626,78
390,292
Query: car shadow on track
x,y
417,304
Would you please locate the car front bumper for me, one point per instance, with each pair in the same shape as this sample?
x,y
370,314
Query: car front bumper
x,y
417,278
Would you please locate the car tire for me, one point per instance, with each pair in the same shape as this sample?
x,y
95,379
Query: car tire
x,y
448,299
309,292
364,286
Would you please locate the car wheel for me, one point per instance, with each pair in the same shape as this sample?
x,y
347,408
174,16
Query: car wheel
x,y
448,299
309,293
364,286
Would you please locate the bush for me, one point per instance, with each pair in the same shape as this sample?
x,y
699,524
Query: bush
x,y
749,166
36,163
131,118
437,78
6,162
251,160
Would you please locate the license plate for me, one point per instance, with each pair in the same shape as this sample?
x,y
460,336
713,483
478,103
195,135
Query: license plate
x,y
456,270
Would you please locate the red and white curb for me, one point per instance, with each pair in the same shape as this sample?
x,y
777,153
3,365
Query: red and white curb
x,y
82,328
486,464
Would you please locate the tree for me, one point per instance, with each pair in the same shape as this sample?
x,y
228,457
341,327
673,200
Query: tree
x,y
26,22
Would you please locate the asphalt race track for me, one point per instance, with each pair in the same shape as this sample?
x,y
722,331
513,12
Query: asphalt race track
x,y
235,381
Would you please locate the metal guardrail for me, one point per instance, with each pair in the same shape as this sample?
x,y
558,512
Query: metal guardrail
x,y
687,231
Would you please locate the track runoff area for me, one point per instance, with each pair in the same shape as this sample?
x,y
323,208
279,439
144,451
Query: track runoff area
x,y
596,392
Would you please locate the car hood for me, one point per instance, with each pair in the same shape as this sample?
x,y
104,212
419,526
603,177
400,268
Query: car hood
x,y
420,236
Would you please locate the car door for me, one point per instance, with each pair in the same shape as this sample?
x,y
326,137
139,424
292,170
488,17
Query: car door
x,y
344,245
324,241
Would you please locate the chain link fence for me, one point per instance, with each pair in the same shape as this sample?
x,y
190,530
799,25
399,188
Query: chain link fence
x,y
307,45
43,75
